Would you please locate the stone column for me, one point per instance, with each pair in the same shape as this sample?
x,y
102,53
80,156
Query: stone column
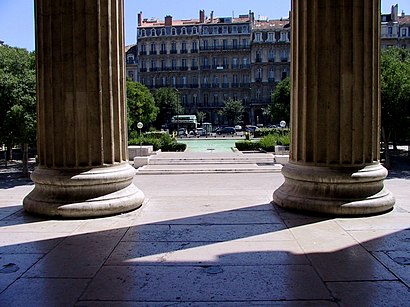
x,y
335,113
82,130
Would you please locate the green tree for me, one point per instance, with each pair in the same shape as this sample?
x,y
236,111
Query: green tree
x,y
279,109
17,99
200,116
233,111
395,94
169,103
141,105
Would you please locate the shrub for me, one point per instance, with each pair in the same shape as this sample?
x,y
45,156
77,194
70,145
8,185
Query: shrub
x,y
246,145
268,142
158,140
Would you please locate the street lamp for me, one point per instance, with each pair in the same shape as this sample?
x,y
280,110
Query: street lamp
x,y
139,126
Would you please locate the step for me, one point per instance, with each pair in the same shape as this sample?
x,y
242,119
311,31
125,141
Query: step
x,y
206,169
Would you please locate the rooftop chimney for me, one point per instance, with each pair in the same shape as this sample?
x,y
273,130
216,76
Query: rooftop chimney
x,y
202,16
168,21
140,19
212,16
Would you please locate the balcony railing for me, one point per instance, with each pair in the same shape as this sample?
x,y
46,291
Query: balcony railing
x,y
152,52
163,52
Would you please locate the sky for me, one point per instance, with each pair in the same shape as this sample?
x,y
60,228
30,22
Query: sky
x,y
17,16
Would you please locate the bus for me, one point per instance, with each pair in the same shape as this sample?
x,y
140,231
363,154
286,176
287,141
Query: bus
x,y
188,122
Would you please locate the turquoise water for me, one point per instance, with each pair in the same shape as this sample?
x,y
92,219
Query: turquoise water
x,y
208,145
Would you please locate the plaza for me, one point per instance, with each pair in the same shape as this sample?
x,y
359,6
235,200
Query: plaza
x,y
205,240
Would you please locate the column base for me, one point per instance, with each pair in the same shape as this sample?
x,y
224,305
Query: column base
x,y
341,191
83,193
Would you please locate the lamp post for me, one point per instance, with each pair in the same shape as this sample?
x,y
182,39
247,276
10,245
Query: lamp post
x,y
139,126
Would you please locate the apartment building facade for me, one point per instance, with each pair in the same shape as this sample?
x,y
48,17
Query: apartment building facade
x,y
212,59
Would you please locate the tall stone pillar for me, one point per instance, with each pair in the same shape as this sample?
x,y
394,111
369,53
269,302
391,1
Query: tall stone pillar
x,y
82,130
335,113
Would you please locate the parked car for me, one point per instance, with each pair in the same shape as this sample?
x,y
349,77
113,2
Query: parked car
x,y
226,130
250,128
200,131
182,132
238,128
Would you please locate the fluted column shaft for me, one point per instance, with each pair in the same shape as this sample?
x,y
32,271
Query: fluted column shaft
x,y
335,113
80,58
82,129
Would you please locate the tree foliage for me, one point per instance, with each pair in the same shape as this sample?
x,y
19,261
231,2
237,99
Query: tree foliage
x,y
17,96
395,93
141,105
279,109
200,116
233,111
169,103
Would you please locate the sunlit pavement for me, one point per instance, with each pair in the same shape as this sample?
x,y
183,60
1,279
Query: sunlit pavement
x,y
205,239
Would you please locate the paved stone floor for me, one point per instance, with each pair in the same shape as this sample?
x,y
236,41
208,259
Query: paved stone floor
x,y
204,240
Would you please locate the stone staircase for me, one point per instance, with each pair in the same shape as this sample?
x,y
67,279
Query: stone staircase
x,y
209,162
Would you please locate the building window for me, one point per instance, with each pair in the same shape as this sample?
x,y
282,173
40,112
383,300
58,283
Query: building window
x,y
271,36
284,74
194,99
259,74
258,94
245,29
225,62
183,63
271,56
206,100
194,30
404,32
174,81
205,44
183,48
258,37
205,30
174,31
215,82
216,100
174,64
235,62
245,43
234,43
174,47
183,31
216,43
164,81
225,44
283,36
194,47
143,33
234,29
153,33
163,31
245,61
258,58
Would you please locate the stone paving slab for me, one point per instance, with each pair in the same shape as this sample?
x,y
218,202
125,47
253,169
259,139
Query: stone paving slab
x,y
204,240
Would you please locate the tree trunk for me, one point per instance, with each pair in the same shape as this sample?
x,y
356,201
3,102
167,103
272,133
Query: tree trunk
x,y
25,159
386,149
9,155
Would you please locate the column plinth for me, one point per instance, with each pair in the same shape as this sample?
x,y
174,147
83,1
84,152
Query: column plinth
x,y
334,163
81,111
